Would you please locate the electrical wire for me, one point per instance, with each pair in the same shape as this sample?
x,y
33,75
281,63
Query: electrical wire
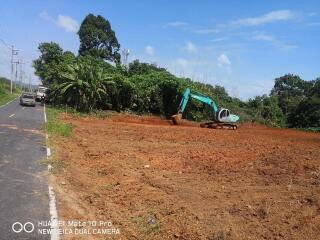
x,y
5,44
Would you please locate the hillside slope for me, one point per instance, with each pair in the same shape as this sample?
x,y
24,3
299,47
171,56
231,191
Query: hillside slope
x,y
5,95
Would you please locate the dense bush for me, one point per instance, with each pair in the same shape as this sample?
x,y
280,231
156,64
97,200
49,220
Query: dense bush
x,y
299,100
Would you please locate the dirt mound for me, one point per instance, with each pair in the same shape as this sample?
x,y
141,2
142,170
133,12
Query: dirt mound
x,y
159,181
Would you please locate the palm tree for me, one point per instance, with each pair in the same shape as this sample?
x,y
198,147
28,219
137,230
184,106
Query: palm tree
x,y
83,85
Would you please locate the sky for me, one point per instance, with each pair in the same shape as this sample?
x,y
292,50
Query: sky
x,y
241,45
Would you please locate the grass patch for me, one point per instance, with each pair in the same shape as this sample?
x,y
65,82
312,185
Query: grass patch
x,y
76,113
56,127
7,97
311,129
148,224
96,113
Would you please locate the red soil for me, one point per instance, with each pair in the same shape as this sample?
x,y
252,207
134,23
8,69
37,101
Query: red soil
x,y
159,181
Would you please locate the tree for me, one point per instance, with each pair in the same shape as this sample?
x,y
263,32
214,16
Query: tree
x,y
84,84
290,90
139,68
267,110
307,113
47,65
315,90
123,93
98,39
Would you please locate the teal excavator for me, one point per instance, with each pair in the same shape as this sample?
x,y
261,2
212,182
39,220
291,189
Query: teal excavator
x,y
222,116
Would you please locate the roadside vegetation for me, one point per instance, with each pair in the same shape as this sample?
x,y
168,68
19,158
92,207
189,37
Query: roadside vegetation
x,y
54,125
95,79
5,95
57,128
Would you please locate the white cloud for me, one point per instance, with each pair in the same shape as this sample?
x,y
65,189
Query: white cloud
x,y
177,24
219,39
274,41
67,23
263,37
223,60
274,16
190,47
206,31
286,46
149,50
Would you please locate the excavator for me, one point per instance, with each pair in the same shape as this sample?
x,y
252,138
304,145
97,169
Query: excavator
x,y
222,116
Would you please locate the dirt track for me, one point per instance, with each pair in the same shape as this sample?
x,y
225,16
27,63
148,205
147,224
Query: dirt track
x,y
157,181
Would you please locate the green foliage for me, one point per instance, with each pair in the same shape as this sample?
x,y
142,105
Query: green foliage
x,y
55,126
290,90
267,110
311,129
50,62
299,100
5,95
88,83
83,84
306,114
97,39
122,94
138,68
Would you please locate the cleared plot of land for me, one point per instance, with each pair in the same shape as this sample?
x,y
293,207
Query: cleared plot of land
x,y
158,181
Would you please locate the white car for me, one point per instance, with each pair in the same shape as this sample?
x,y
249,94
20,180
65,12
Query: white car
x,y
41,91
27,99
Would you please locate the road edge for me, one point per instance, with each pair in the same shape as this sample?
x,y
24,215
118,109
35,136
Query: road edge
x,y
52,198
3,105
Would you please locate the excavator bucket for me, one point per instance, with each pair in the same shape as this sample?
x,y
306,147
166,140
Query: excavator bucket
x,y
177,119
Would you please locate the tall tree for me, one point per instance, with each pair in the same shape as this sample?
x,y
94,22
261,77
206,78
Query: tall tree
x,y
47,65
290,89
98,39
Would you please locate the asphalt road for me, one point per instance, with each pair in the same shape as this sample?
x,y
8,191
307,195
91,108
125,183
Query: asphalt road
x,y
23,184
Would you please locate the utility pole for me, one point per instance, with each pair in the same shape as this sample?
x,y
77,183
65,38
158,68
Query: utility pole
x,y
13,52
20,74
16,73
29,82
21,77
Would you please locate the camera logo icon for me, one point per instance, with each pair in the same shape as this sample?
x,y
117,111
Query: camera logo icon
x,y
27,227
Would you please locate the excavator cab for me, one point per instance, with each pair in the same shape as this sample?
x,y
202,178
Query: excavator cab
x,y
225,116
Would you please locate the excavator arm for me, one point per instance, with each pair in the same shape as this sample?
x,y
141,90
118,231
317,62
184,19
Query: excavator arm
x,y
221,115
204,99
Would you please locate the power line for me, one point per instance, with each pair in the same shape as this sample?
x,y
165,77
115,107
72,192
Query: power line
x,y
14,64
7,45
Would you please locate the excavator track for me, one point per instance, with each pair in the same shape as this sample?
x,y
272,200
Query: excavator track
x,y
216,125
